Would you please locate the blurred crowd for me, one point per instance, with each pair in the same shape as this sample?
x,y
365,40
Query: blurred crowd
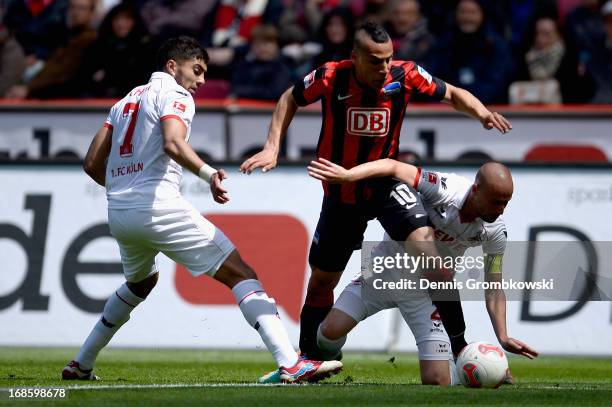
x,y
503,51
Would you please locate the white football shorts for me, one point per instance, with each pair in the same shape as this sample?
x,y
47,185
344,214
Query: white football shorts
x,y
418,312
181,233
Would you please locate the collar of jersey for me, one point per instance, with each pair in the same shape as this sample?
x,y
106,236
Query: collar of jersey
x,y
161,75
164,75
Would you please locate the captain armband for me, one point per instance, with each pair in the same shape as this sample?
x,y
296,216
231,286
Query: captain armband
x,y
493,263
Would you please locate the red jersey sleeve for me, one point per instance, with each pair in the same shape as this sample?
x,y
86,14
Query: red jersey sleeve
x,y
314,85
419,81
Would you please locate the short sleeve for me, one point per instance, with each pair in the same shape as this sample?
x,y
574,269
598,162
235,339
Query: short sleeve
x,y
111,119
496,237
433,186
313,86
177,105
108,123
419,81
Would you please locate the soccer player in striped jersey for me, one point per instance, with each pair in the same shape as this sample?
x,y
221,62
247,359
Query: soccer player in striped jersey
x,y
363,104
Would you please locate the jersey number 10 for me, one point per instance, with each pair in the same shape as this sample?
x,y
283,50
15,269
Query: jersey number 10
x,y
404,196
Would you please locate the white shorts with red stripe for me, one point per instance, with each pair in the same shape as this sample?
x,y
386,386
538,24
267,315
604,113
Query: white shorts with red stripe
x,y
417,310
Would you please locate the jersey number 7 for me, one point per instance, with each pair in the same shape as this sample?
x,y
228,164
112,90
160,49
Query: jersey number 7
x,y
130,109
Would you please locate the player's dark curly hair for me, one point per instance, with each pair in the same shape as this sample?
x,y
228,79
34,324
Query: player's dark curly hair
x,y
180,49
375,31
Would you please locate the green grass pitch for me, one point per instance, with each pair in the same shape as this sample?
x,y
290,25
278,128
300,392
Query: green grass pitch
x,y
226,377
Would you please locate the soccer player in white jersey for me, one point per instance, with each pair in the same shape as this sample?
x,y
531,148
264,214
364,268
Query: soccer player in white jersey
x,y
138,155
464,214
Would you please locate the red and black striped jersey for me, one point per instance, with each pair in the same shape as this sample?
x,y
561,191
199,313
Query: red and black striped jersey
x,y
361,124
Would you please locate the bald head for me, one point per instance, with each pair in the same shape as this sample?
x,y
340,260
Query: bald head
x,y
495,177
493,190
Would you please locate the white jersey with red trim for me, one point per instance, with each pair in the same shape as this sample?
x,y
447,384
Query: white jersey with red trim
x,y
139,173
443,195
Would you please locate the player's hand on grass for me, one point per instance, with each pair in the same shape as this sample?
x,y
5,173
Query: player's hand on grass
x,y
265,159
495,120
515,346
327,171
218,192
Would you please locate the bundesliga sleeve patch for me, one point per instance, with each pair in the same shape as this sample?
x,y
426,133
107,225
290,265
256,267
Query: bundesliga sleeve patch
x,y
432,178
309,79
424,74
179,107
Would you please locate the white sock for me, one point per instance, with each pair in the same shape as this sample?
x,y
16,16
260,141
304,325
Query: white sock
x,y
116,313
329,347
454,376
260,312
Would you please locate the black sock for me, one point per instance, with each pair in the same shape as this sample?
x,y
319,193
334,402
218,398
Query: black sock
x,y
310,319
451,313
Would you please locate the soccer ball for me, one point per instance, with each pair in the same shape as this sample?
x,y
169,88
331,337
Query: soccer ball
x,y
481,364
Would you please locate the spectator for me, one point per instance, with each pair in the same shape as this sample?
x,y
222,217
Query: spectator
x,y
60,75
565,6
170,18
262,74
295,34
12,59
315,10
376,11
516,18
38,25
408,31
600,64
439,15
121,55
293,25
549,72
473,57
234,21
335,36
584,27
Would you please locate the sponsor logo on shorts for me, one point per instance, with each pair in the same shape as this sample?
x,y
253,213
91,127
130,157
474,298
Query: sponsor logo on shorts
x,y
368,122
442,348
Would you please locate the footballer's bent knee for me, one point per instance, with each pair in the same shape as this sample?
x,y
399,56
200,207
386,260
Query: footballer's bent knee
x,y
143,288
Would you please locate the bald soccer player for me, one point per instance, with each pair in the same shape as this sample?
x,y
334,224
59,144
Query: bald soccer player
x,y
463,214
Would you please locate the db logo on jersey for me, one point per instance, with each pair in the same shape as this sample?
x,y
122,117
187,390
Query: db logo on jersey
x,y
368,122
179,107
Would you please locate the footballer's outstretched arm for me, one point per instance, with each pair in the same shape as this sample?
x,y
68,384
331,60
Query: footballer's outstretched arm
x,y
177,148
495,300
281,119
464,101
95,159
327,171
